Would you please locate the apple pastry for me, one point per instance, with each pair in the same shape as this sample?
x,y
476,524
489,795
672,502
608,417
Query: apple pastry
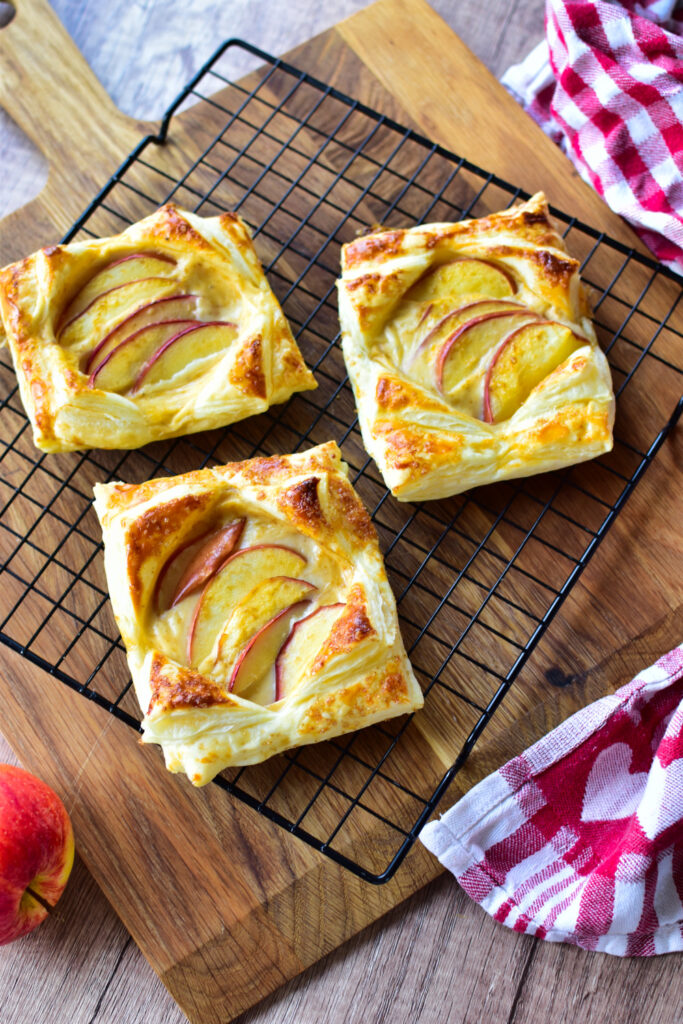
x,y
471,352
255,609
165,329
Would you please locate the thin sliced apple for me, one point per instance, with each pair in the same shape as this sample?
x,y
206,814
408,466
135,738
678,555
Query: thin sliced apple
x,y
173,307
208,559
457,316
467,344
263,603
133,267
119,368
106,311
158,256
257,657
187,346
522,360
165,586
461,277
302,646
425,313
236,577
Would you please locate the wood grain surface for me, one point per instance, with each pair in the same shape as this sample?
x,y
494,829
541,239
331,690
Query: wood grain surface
x,y
82,962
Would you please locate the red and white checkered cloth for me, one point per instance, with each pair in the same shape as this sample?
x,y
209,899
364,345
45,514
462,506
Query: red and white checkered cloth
x,y
580,838
607,85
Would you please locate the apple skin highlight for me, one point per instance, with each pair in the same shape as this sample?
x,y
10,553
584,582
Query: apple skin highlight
x,y
36,850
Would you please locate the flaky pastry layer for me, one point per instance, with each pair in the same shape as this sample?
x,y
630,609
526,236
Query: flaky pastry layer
x,y
356,674
428,442
191,268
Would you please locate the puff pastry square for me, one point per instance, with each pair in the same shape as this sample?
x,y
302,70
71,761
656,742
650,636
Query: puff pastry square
x,y
471,353
255,609
165,329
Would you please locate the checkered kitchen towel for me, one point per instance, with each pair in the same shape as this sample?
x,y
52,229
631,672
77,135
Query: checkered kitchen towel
x,y
580,838
607,85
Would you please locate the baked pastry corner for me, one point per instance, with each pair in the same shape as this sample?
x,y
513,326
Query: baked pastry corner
x,y
471,352
166,329
255,609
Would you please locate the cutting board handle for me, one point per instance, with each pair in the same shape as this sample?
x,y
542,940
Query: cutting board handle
x,y
48,89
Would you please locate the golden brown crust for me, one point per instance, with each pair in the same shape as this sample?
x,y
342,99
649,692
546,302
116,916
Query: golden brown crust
x,y
355,673
377,693
301,504
247,373
209,262
174,688
370,247
171,226
392,394
351,628
414,449
351,514
149,533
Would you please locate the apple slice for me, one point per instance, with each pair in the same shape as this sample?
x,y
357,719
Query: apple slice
x,y
164,586
134,267
256,661
185,347
522,360
208,559
118,369
158,256
302,646
266,600
173,307
464,276
464,348
457,316
237,576
109,308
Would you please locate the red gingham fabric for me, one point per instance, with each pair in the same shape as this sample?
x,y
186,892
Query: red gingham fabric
x,y
580,838
607,85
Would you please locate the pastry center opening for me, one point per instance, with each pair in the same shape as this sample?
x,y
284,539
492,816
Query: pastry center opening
x,y
145,320
465,332
248,603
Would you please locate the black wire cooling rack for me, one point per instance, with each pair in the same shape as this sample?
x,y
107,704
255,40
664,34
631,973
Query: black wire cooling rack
x,y
477,578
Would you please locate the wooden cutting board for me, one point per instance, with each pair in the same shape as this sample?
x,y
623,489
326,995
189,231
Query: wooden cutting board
x,y
225,905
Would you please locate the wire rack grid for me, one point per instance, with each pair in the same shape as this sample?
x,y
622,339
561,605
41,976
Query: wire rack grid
x,y
477,578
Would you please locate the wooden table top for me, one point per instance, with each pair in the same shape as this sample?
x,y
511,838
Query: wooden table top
x,y
437,957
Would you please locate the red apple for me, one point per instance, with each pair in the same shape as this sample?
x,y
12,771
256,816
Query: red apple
x,y
302,645
208,559
459,333
222,592
36,851
259,654
171,307
212,342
